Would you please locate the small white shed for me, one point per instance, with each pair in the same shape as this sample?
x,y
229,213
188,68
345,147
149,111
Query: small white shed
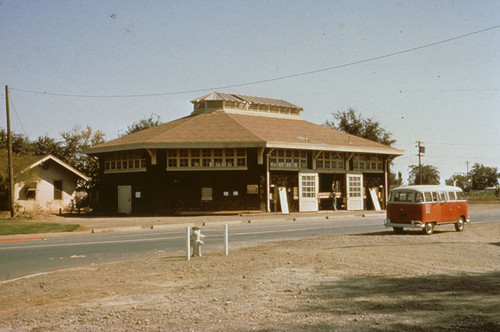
x,y
52,188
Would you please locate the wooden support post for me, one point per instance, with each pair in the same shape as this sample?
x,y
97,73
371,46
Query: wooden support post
x,y
10,157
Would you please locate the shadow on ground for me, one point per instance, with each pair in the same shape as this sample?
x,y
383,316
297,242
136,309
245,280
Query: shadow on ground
x,y
423,303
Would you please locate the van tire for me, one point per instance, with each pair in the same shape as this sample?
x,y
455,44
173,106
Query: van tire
x,y
398,230
459,226
429,228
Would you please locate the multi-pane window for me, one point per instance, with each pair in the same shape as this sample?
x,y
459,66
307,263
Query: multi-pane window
x,y
330,160
367,162
281,158
354,186
308,186
206,158
125,161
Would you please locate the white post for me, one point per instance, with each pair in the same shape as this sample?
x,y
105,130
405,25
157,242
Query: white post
x,y
188,242
226,240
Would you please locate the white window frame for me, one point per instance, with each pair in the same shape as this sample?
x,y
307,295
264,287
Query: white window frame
x,y
330,161
124,162
288,159
204,159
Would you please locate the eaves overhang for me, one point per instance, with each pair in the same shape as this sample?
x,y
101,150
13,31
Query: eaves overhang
x,y
257,144
336,148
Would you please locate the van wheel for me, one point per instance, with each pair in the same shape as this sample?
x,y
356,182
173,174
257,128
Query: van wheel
x,y
459,226
429,228
398,230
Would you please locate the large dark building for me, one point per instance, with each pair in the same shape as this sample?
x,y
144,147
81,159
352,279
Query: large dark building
x,y
240,153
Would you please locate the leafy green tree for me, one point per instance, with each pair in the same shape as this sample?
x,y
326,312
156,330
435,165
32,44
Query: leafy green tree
x,y
460,180
20,143
74,143
483,177
430,174
45,145
352,123
20,164
152,121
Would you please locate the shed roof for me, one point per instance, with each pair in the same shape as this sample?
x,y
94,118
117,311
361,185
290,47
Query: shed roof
x,y
71,169
221,129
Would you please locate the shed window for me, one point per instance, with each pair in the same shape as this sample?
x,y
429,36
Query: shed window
x,y
58,189
31,190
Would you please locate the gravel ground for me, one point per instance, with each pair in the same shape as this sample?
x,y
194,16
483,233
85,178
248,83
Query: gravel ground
x,y
448,281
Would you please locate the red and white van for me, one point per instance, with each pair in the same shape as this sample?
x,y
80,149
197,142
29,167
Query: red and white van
x,y
425,206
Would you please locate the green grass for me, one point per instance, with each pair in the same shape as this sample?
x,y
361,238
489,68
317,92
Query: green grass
x,y
11,227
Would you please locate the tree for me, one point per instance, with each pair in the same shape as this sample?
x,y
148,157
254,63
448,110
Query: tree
x,y
74,143
430,174
20,143
396,181
20,164
352,123
45,145
459,180
483,177
152,121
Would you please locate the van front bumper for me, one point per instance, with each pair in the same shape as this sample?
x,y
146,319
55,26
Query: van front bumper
x,y
413,224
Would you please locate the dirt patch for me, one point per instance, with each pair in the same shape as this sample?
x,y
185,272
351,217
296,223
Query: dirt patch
x,y
381,281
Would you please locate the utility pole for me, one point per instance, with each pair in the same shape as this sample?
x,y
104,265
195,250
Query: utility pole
x,y
10,161
421,150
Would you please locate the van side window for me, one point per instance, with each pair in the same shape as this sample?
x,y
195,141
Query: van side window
x,y
442,197
451,195
428,196
410,197
419,197
434,196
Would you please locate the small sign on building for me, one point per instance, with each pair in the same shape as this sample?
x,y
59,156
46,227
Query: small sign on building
x,y
252,189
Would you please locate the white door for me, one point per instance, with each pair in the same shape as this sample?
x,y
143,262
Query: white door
x,y
308,192
125,199
354,191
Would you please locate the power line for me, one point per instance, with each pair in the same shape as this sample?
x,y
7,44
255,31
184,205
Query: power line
x,y
265,80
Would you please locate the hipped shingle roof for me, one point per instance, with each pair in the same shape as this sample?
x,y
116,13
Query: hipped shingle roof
x,y
221,129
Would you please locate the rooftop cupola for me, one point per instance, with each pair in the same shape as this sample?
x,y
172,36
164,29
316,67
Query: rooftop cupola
x,y
242,104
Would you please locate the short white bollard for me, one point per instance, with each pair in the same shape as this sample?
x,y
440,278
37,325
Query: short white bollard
x,y
188,242
226,240
197,241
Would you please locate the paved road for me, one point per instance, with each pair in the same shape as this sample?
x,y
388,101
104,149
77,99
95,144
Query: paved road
x,y
19,259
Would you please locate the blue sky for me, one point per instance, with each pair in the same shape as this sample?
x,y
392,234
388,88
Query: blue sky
x,y
446,95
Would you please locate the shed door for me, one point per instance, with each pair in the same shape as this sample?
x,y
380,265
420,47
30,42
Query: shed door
x,y
354,192
308,192
125,199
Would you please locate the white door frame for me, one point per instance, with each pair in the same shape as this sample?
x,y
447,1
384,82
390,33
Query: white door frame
x,y
308,192
125,199
354,185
